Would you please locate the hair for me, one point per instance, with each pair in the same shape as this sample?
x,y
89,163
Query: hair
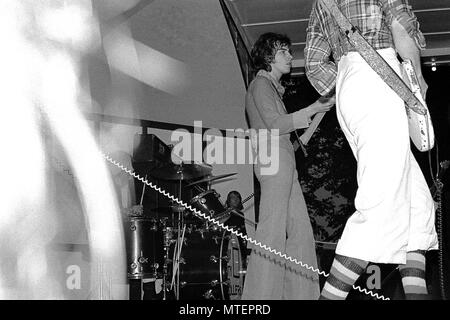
x,y
265,48
234,193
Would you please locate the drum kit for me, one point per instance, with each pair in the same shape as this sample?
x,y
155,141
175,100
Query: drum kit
x,y
191,257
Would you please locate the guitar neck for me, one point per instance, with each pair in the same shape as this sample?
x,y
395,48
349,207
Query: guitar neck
x,y
306,136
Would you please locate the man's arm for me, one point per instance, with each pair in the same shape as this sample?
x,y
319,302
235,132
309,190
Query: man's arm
x,y
408,39
320,71
265,103
407,49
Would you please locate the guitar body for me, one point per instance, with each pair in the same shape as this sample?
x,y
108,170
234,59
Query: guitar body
x,y
420,126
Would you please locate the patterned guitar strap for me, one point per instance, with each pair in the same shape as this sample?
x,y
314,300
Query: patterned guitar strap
x,y
373,58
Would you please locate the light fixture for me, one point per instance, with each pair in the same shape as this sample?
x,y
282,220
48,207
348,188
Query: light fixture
x,y
433,66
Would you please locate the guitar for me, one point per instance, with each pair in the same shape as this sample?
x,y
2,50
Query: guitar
x,y
302,141
420,126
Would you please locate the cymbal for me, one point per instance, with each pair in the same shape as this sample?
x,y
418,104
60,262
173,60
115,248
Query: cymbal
x,y
211,178
183,171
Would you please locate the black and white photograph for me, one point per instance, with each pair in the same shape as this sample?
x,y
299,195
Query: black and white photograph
x,y
212,157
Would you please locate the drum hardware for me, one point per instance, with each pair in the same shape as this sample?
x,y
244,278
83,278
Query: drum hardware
x,y
211,178
177,208
209,295
181,172
143,191
216,239
224,215
235,212
177,257
209,204
168,241
214,227
168,260
215,259
168,234
214,283
143,259
200,189
165,272
202,233
189,230
164,221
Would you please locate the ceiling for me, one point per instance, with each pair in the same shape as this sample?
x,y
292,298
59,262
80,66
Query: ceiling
x,y
290,17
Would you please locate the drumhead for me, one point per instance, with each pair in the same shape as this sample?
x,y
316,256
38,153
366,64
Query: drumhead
x,y
231,267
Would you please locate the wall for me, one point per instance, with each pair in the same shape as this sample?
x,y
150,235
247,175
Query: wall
x,y
171,61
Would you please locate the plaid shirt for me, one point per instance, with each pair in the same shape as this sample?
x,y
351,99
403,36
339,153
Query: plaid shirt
x,y
372,17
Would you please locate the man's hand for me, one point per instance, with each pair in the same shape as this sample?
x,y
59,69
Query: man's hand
x,y
321,105
407,49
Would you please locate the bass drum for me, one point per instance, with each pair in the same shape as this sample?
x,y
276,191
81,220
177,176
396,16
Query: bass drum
x,y
212,266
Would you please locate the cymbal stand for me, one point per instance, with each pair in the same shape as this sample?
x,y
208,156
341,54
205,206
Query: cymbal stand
x,y
167,241
180,224
208,187
243,217
199,188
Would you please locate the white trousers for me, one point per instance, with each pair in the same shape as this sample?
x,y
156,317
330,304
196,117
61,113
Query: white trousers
x,y
394,208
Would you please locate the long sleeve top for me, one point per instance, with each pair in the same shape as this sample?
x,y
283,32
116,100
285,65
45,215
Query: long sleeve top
x,y
266,110
372,17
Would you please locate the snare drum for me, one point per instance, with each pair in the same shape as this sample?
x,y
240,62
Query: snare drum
x,y
145,247
212,266
208,202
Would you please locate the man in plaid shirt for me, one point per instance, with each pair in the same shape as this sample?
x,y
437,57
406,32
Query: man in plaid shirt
x,y
394,217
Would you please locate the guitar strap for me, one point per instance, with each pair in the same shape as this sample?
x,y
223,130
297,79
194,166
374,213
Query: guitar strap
x,y
373,58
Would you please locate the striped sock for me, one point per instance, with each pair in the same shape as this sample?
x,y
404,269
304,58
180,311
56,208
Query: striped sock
x,y
344,273
413,274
